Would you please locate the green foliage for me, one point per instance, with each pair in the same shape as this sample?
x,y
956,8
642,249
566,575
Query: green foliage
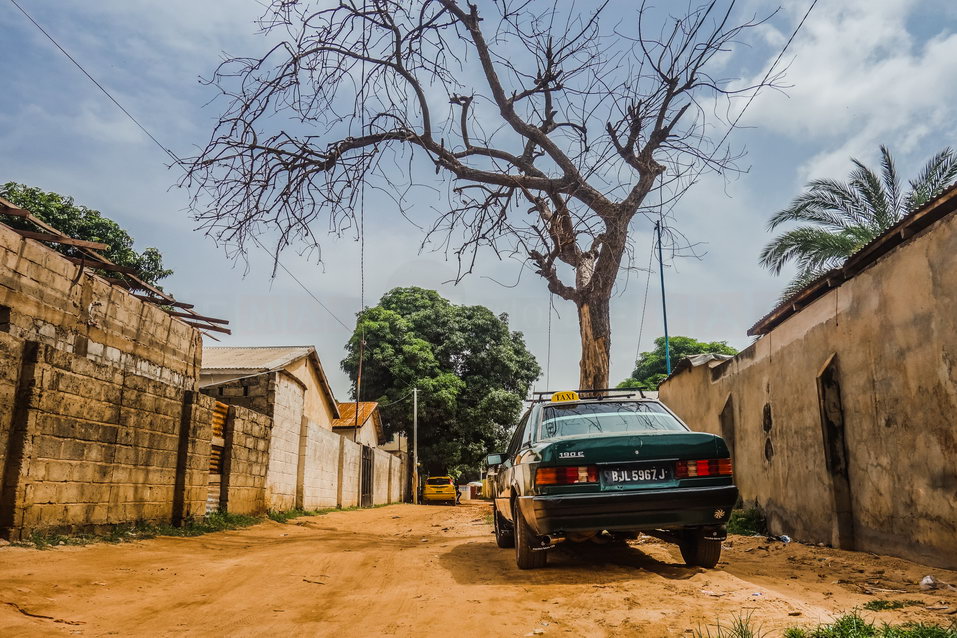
x,y
749,522
471,370
741,627
881,604
81,222
651,368
854,626
841,217
215,522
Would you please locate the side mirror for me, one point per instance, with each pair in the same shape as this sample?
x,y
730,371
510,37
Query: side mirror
x,y
495,459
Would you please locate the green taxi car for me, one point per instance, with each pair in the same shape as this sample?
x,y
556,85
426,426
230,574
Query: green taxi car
x,y
605,468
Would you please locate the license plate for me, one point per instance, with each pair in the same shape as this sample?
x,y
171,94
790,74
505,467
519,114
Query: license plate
x,y
645,473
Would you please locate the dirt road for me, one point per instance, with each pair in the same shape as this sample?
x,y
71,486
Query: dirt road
x,y
408,570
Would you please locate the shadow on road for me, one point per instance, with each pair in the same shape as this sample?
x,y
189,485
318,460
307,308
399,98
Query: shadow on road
x,y
481,562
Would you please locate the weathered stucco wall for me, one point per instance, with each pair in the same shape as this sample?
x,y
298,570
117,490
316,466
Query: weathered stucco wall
x,y
348,488
321,471
317,405
382,471
282,477
893,332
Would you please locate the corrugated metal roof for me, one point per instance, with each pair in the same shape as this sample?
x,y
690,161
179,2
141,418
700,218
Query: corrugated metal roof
x,y
347,414
252,358
901,232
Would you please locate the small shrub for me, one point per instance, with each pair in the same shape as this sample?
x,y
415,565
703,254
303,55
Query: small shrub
x,y
749,522
740,627
854,626
883,605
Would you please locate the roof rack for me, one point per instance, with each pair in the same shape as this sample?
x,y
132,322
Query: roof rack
x,y
546,395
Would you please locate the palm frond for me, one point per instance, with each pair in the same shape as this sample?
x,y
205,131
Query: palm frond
x,y
937,174
866,182
826,202
839,218
801,281
891,181
810,247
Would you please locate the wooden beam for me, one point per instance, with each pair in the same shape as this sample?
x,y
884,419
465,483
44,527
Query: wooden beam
x,y
189,315
204,327
61,239
118,282
162,302
13,212
102,265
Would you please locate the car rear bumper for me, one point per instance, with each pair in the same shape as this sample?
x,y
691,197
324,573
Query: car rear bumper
x,y
630,511
438,497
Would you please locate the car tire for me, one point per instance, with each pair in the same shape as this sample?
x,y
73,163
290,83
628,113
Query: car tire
x,y
504,533
698,551
525,556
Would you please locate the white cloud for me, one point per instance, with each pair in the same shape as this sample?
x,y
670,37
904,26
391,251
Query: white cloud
x,y
860,78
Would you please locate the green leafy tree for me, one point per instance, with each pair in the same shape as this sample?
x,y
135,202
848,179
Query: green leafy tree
x,y
471,370
81,222
839,218
651,368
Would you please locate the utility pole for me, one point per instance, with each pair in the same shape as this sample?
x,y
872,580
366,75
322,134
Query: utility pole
x,y
664,306
415,445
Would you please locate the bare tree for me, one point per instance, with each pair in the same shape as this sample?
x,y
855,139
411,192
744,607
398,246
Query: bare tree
x,y
549,124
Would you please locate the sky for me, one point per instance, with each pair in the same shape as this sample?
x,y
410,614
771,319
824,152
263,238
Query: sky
x,y
859,74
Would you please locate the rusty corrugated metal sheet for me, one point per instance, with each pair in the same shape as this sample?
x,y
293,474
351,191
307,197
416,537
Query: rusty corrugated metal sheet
x,y
219,418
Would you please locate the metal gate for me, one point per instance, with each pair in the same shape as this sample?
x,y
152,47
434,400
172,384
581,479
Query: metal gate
x,y
366,476
214,495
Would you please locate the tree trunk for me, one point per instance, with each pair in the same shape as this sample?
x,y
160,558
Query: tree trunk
x,y
594,322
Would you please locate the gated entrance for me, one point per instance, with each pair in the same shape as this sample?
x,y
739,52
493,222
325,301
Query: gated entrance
x,y
366,476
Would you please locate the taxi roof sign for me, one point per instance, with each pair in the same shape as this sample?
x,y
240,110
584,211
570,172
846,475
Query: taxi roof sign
x,y
567,395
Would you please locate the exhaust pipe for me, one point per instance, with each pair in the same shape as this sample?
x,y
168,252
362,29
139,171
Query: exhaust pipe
x,y
548,542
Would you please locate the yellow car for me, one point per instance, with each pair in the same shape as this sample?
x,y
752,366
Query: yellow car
x,y
439,489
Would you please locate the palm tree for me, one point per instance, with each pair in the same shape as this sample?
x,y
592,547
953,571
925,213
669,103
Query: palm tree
x,y
841,217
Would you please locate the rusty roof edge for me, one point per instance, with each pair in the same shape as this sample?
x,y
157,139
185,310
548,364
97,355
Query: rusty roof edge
x,y
892,238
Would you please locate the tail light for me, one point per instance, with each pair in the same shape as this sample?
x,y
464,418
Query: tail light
x,y
566,475
705,467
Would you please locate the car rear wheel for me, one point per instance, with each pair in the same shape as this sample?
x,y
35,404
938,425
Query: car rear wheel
x,y
699,551
504,533
525,556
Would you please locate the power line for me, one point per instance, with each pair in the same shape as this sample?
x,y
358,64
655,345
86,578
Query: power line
x,y
747,104
93,80
301,285
167,151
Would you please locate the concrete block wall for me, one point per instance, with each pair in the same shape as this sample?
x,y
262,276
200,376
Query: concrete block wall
x,y
192,469
321,467
304,455
11,351
46,298
254,393
92,446
282,475
246,459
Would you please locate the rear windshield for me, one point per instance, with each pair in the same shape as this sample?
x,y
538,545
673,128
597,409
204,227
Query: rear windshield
x,y
444,481
607,418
